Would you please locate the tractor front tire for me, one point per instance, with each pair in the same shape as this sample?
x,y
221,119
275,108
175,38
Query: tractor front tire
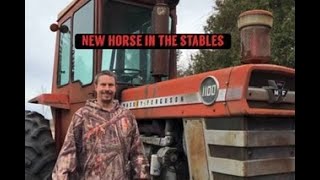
x,y
40,152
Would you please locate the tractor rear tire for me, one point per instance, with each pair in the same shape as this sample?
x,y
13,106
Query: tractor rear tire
x,y
40,152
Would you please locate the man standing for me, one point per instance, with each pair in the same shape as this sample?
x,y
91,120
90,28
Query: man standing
x,y
102,142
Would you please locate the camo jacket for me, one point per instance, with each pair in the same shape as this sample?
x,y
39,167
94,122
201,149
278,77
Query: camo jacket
x,y
102,144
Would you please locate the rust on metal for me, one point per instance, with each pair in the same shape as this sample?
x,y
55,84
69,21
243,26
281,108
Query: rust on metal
x,y
196,148
252,123
255,29
53,100
173,52
256,12
251,153
252,167
160,25
250,138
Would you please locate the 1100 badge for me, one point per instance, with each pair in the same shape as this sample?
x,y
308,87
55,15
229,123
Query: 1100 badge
x,y
209,90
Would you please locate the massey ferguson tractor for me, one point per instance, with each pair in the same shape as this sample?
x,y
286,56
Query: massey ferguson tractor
x,y
228,124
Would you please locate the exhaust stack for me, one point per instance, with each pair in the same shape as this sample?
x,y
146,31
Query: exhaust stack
x,y
255,27
160,57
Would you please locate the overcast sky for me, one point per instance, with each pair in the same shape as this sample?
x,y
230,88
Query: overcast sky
x,y
40,41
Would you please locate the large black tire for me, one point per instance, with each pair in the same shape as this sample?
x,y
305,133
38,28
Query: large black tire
x,y
40,153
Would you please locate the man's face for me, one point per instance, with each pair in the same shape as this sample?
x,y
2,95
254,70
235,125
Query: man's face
x,y
106,89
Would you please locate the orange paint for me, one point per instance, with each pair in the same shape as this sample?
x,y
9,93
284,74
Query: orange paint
x,y
230,78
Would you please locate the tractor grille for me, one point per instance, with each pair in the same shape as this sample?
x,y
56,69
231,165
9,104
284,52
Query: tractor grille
x,y
258,95
257,148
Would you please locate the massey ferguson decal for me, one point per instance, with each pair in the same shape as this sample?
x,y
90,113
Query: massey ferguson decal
x,y
276,91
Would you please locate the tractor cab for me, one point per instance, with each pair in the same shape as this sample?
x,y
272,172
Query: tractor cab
x,y
74,69
132,66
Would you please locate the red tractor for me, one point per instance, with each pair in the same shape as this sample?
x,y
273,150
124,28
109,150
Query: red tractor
x,y
232,123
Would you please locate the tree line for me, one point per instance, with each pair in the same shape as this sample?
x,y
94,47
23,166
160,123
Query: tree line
x,y
224,20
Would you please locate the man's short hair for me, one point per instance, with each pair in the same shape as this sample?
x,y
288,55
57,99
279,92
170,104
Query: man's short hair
x,y
105,72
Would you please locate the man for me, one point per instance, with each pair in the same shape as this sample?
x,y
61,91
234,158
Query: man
x,y
102,142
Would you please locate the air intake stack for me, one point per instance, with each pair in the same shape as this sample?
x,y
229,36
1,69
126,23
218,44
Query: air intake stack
x,y
255,27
